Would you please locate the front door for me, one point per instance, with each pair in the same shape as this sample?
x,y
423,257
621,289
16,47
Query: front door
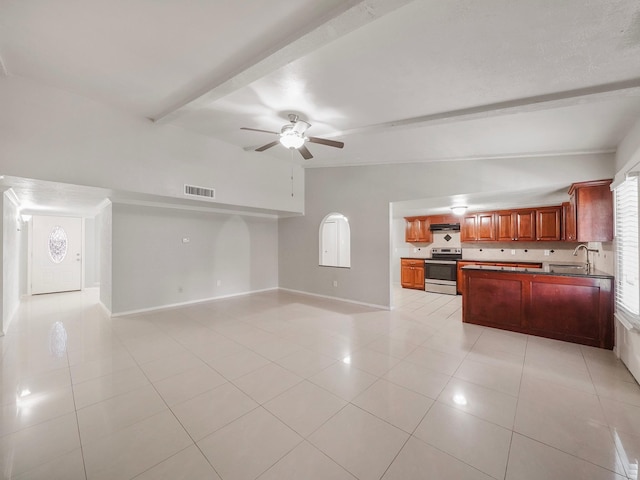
x,y
56,254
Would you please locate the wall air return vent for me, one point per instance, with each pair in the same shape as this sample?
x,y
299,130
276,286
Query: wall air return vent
x,y
201,192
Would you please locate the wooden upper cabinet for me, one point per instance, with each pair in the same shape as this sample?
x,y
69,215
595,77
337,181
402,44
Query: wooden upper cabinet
x,y
569,232
469,228
586,217
593,208
505,226
548,223
486,229
412,229
478,227
516,225
417,230
525,225
443,219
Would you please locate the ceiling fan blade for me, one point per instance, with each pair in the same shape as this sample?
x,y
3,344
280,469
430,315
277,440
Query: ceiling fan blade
x,y
268,145
258,130
326,141
304,151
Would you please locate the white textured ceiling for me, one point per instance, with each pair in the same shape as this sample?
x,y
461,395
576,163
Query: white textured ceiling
x,y
396,80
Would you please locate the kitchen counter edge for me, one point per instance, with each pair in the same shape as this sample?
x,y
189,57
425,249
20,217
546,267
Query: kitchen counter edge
x,y
545,270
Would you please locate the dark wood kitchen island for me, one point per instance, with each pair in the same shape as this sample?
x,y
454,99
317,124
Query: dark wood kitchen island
x,y
562,303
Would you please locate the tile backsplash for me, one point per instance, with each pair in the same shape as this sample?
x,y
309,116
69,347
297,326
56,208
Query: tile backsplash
x,y
440,240
559,252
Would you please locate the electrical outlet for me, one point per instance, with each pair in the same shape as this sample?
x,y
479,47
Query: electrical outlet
x,y
335,283
513,252
546,253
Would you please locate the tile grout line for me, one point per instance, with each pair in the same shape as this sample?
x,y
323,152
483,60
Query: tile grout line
x,y
514,432
194,443
602,410
75,408
515,414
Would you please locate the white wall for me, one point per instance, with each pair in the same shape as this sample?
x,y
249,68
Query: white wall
x,y
50,134
104,235
363,195
91,258
11,259
628,340
152,266
3,319
54,135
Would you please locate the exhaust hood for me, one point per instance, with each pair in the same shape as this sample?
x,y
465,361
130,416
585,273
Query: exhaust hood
x,y
444,227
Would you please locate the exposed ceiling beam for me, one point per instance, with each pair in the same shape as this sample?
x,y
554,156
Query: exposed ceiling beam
x,y
350,16
567,98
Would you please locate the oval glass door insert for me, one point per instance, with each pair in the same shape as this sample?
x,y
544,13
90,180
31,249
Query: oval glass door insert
x,y
57,244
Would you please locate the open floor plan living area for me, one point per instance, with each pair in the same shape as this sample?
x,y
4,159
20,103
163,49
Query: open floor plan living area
x,y
320,240
279,385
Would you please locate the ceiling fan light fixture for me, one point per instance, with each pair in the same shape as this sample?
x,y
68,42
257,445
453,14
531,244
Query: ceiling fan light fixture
x,y
291,139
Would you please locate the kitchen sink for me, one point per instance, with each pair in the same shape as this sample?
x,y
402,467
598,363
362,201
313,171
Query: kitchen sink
x,y
567,266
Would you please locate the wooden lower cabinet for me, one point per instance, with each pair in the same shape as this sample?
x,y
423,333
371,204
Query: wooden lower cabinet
x,y
412,273
463,263
570,308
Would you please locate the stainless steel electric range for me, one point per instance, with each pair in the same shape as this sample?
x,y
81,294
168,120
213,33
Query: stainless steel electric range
x,y
440,271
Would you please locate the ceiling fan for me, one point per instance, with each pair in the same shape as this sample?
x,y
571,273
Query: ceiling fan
x,y
293,136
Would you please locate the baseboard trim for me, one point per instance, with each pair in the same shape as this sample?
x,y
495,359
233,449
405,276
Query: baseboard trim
x,y
346,300
104,307
169,306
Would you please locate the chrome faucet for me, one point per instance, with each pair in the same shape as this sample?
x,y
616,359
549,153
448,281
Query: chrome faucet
x,y
587,250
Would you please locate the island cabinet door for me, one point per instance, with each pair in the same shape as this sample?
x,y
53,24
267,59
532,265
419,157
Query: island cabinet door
x,y
572,309
495,302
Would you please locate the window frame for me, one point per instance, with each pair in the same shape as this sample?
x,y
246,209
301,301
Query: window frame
x,y
627,247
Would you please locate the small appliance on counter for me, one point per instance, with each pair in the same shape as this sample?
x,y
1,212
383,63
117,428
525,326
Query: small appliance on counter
x,y
440,271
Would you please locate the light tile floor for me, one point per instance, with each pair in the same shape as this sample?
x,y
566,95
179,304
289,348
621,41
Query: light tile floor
x,y
283,386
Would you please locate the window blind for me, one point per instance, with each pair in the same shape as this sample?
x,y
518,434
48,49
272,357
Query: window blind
x,y
627,253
